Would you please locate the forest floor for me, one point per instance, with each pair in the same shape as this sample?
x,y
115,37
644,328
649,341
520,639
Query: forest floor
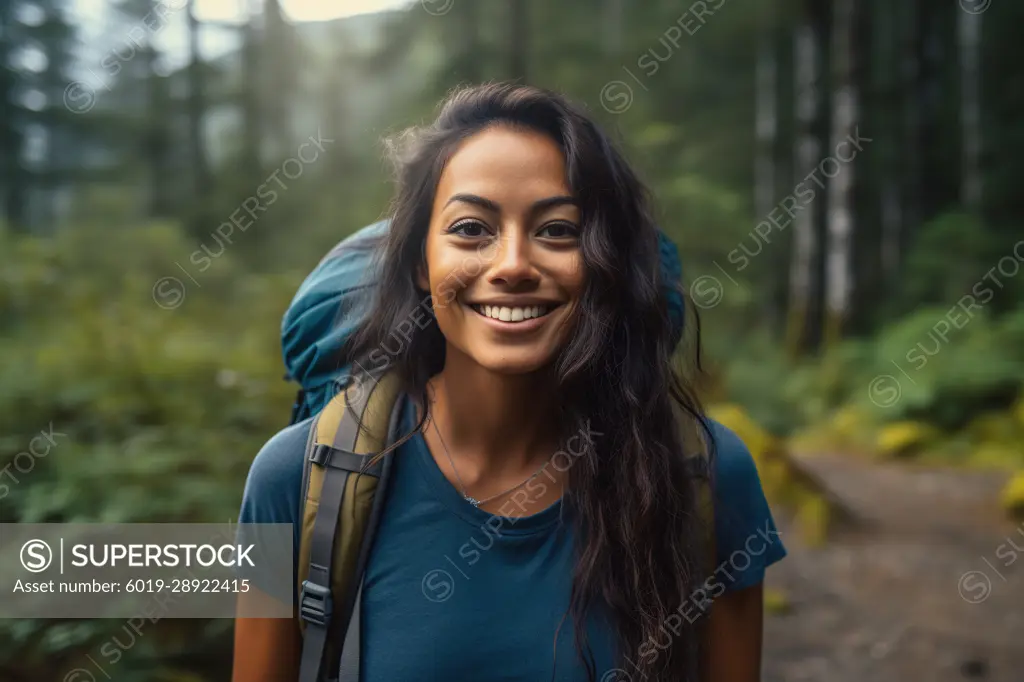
x,y
923,587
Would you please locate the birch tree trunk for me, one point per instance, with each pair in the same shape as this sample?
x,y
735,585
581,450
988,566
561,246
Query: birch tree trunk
x,y
806,154
969,25
838,275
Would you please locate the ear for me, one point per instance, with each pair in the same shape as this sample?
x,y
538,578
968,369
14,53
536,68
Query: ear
x,y
422,279
422,272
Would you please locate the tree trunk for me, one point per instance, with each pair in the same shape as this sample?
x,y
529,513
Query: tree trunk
x,y
252,156
891,229
613,13
13,174
157,143
912,129
969,25
937,177
783,164
197,108
468,55
280,78
766,127
838,274
519,36
888,31
336,111
474,46
806,155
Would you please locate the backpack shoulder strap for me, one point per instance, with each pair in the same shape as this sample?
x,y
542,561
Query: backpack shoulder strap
x,y
340,510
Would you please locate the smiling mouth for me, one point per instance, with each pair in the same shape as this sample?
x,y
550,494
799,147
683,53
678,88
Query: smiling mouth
x,y
513,313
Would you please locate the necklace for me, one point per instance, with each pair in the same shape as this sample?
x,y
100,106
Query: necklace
x,y
465,495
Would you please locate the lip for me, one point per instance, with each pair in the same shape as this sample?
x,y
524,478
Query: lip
x,y
521,327
518,302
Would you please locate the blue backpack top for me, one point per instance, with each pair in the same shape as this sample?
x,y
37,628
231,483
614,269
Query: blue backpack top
x,y
330,305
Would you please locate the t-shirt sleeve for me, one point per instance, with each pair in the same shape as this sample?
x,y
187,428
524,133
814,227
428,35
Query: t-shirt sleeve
x,y
271,495
747,541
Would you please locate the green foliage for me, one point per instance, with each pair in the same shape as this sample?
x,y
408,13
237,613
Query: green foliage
x,y
947,376
957,384
931,276
757,377
159,411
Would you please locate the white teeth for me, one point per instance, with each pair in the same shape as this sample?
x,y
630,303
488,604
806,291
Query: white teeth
x,y
507,314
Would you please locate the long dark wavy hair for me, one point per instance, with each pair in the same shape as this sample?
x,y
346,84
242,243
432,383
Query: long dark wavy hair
x,y
631,498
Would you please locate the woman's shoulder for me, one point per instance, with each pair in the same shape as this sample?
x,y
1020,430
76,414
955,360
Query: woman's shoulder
x,y
746,535
274,483
281,456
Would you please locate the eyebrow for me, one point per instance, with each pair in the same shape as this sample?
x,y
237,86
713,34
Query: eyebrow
x,y
487,204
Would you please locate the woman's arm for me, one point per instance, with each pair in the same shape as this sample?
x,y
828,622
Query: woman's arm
x,y
266,649
735,633
269,649
746,543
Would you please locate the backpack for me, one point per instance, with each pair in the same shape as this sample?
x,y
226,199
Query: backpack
x,y
343,484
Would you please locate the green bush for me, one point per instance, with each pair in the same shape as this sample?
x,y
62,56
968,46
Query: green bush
x,y
931,276
160,409
951,373
948,381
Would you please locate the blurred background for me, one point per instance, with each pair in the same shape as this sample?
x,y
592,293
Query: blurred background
x,y
842,178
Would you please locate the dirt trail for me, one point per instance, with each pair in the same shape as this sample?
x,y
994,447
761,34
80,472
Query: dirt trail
x,y
925,587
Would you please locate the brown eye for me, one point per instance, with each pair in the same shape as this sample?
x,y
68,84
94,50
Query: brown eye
x,y
468,228
560,230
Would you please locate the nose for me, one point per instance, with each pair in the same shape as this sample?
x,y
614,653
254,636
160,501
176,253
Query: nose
x,y
513,262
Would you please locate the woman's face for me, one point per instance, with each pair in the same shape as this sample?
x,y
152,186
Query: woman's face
x,y
502,252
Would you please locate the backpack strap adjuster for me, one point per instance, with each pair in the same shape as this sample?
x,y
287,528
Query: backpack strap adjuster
x,y
327,456
315,603
320,455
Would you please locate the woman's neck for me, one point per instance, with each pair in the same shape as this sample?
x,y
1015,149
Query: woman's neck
x,y
493,424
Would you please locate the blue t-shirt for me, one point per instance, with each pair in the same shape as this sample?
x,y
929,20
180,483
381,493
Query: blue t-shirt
x,y
453,592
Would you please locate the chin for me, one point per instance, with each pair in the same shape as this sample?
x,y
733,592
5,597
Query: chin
x,y
500,361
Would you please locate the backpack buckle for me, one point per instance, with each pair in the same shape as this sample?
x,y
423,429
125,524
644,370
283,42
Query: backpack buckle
x,y
327,456
321,455
315,603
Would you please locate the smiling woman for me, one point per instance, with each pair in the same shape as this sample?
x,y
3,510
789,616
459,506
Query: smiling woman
x,y
506,189
532,239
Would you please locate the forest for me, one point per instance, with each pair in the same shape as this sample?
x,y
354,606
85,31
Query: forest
x,y
838,176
